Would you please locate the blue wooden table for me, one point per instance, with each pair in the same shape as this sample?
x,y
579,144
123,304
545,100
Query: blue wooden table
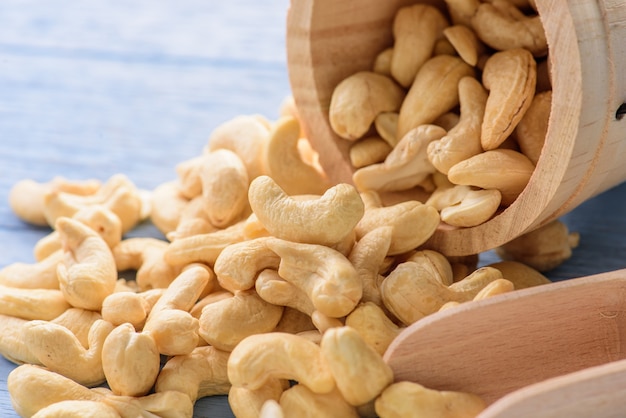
x,y
90,89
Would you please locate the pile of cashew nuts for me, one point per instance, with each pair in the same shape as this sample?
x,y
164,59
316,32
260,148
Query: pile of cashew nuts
x,y
270,285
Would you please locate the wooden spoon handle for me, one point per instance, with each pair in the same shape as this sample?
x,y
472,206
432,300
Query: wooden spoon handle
x,y
498,345
598,392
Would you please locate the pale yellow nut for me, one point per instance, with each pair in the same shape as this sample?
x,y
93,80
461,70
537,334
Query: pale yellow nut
x,y
57,348
253,228
436,263
324,323
88,273
122,307
277,291
465,42
416,29
413,223
358,99
285,163
360,372
368,258
162,404
520,274
531,130
510,76
367,151
433,93
197,374
167,203
373,325
497,287
505,170
39,275
238,264
246,403
544,248
193,220
325,220
261,357
78,409
223,324
12,344
175,332
502,26
225,181
130,361
461,11
463,140
79,322
184,291
247,136
32,388
44,304
405,167
476,207
188,172
386,124
408,399
447,195
325,275
212,297
99,218
300,401
26,197
203,248
382,62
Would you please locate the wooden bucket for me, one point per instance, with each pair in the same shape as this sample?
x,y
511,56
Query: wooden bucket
x,y
585,149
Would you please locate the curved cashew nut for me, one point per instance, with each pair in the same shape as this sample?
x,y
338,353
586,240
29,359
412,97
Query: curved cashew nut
x,y
121,307
145,255
360,372
511,77
406,166
433,93
277,291
412,222
247,136
285,164
189,179
168,203
325,275
193,221
45,304
463,140
78,409
367,151
416,29
40,275
223,324
502,26
476,207
12,344
197,374
277,355
174,331
57,348
326,220
436,263
26,197
530,132
238,265
358,99
87,274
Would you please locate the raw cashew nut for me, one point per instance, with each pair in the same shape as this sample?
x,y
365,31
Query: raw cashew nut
x,y
285,163
277,355
12,344
531,130
326,220
45,304
78,409
382,62
57,348
79,322
87,274
197,374
168,202
505,170
463,140
40,275
246,403
416,29
433,93
370,150
405,167
358,99
386,124
404,399
465,42
223,324
278,291
121,307
520,274
475,208
300,401
510,76
373,325
360,372
325,275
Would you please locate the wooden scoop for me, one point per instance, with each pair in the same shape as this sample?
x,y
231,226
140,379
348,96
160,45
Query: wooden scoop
x,y
496,346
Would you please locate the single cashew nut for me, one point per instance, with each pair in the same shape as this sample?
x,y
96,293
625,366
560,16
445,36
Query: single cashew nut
x,y
373,325
78,409
278,291
44,304
326,220
367,151
465,42
531,130
476,207
168,202
40,275
277,355
358,99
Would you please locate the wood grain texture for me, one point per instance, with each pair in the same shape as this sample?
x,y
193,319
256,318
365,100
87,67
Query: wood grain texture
x,y
91,89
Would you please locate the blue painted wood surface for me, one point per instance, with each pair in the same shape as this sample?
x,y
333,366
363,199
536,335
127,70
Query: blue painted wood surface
x,y
90,89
